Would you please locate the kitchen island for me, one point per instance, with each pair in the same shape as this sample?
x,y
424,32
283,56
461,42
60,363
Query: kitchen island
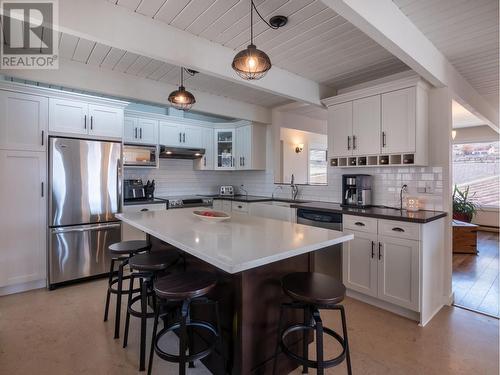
x,y
249,255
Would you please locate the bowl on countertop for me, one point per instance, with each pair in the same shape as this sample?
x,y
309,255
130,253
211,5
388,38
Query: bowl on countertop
x,y
211,216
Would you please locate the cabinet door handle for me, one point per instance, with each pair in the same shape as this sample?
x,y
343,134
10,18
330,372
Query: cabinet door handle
x,y
91,122
373,249
205,161
383,139
379,250
42,189
140,133
359,224
135,133
184,137
232,161
240,206
43,137
180,137
243,161
354,142
348,142
398,229
85,122
144,210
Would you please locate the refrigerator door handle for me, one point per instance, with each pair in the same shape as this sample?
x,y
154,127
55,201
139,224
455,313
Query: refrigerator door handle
x,y
85,228
119,183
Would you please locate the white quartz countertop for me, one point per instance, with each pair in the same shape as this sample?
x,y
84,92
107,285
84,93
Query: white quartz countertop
x,y
242,243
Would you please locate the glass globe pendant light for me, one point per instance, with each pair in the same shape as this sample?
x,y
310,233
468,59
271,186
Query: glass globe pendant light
x,y
252,63
181,98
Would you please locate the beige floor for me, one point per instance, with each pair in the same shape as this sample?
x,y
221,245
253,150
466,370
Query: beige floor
x,y
61,332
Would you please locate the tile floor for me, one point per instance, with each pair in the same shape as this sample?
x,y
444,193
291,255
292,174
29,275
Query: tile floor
x,y
62,332
476,278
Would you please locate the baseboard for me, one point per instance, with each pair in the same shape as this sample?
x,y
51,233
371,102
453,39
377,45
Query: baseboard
x,y
424,323
409,314
23,287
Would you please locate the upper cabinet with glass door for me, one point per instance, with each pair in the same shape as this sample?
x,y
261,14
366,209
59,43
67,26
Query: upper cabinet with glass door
x,y
224,148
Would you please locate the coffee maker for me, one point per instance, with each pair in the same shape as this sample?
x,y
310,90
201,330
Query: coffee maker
x,y
356,190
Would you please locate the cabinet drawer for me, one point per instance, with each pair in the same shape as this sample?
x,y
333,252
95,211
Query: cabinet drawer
x,y
240,206
359,223
399,229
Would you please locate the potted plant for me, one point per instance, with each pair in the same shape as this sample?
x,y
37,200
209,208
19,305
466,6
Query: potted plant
x,y
463,208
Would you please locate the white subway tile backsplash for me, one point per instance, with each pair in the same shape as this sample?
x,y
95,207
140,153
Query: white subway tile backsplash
x,y
177,177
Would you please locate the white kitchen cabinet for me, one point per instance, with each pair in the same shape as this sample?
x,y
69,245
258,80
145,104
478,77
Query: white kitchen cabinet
x,y
381,125
191,136
250,147
224,149
131,233
105,121
398,272
340,129
366,126
207,142
180,135
272,210
241,207
68,116
395,265
23,229
360,263
140,131
23,121
399,121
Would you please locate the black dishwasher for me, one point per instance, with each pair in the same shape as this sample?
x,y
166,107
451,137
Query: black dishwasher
x,y
327,260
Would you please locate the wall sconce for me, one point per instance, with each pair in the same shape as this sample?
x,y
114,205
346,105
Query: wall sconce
x,y
299,148
453,134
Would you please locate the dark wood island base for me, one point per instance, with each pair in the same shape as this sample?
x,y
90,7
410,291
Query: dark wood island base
x,y
249,304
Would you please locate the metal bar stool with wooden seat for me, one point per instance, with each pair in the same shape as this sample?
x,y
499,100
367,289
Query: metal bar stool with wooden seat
x,y
146,267
184,290
312,292
120,253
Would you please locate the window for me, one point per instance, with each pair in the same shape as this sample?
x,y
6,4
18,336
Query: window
x,y
317,167
477,165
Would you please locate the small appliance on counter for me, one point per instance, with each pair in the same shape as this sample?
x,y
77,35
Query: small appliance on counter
x,y
133,189
356,190
226,190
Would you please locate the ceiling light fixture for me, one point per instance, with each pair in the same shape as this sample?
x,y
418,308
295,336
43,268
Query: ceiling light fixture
x,y
252,63
181,98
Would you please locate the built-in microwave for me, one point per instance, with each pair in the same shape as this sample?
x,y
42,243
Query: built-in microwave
x,y
140,156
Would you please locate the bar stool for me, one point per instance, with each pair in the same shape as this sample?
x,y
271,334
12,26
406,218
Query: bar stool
x,y
312,292
184,290
147,267
120,253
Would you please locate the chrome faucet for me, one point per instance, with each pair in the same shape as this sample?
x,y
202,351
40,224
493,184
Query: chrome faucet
x,y
404,189
276,188
246,191
294,188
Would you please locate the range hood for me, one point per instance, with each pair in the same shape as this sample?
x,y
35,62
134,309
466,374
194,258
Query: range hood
x,y
181,152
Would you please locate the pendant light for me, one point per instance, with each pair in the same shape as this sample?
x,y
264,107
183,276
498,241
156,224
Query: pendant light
x,y
252,63
181,98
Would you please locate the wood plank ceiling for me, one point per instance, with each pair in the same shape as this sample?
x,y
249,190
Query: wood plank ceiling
x,y
466,32
99,55
316,43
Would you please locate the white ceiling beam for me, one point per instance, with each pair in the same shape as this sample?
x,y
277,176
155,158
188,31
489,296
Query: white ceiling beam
x,y
72,74
116,26
384,22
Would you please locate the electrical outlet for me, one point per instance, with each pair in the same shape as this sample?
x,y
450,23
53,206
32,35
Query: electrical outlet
x,y
429,188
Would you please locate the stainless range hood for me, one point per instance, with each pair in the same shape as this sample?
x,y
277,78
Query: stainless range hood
x,y
181,152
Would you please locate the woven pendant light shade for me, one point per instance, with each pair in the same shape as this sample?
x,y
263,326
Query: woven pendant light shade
x,y
251,63
181,99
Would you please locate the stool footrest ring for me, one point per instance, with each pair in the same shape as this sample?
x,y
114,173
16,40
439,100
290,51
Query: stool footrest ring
x,y
309,363
193,356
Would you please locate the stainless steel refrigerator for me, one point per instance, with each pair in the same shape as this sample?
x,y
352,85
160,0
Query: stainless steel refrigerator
x,y
85,194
